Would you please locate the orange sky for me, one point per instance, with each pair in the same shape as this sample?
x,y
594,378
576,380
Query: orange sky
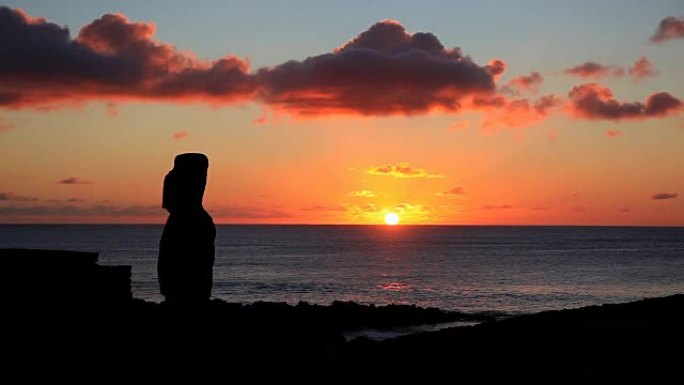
x,y
477,155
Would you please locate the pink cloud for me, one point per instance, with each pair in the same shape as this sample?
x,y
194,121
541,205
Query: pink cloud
x,y
594,101
528,83
73,180
384,70
613,133
594,70
664,196
670,28
496,207
180,135
402,170
642,68
501,112
5,125
9,196
110,58
452,192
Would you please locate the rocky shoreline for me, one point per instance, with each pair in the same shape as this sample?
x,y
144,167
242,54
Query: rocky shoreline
x,y
118,339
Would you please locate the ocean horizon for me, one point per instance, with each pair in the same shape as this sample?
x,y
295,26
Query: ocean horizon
x,y
483,268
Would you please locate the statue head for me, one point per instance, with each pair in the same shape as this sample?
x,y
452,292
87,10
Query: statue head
x,y
184,184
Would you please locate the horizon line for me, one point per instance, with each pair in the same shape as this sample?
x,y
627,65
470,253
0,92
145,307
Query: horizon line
x,y
343,224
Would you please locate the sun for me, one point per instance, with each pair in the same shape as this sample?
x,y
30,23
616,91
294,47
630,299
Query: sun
x,y
391,218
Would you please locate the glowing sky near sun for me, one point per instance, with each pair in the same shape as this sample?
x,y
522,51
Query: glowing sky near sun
x,y
529,112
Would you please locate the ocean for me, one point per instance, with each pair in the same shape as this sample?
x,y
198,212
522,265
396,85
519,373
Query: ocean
x,y
497,269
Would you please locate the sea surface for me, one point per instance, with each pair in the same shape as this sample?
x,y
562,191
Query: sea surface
x,y
469,268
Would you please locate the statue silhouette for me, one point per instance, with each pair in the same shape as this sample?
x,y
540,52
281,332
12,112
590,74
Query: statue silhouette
x,y
186,249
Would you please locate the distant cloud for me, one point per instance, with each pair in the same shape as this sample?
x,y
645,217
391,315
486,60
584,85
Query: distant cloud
x,y
8,196
5,125
112,109
371,213
402,170
664,196
501,112
261,119
80,211
594,101
459,125
321,208
453,192
528,83
236,213
594,70
362,193
69,200
496,207
180,135
74,180
642,68
670,28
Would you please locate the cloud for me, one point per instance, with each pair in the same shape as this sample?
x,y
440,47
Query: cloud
x,y
594,101
408,212
8,196
500,111
613,133
261,119
362,193
5,125
459,125
321,208
247,212
664,196
402,170
180,135
69,200
594,70
73,180
80,211
642,68
669,28
384,70
110,58
453,192
496,207
529,83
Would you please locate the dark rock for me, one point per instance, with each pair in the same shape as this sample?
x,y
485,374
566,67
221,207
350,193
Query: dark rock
x,y
61,278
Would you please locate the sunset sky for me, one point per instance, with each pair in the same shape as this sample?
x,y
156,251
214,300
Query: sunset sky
x,y
443,112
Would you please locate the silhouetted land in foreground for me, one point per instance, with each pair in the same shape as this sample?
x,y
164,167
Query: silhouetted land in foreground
x,y
79,338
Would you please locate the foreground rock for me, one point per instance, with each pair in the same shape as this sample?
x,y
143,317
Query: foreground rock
x,y
637,342
68,333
